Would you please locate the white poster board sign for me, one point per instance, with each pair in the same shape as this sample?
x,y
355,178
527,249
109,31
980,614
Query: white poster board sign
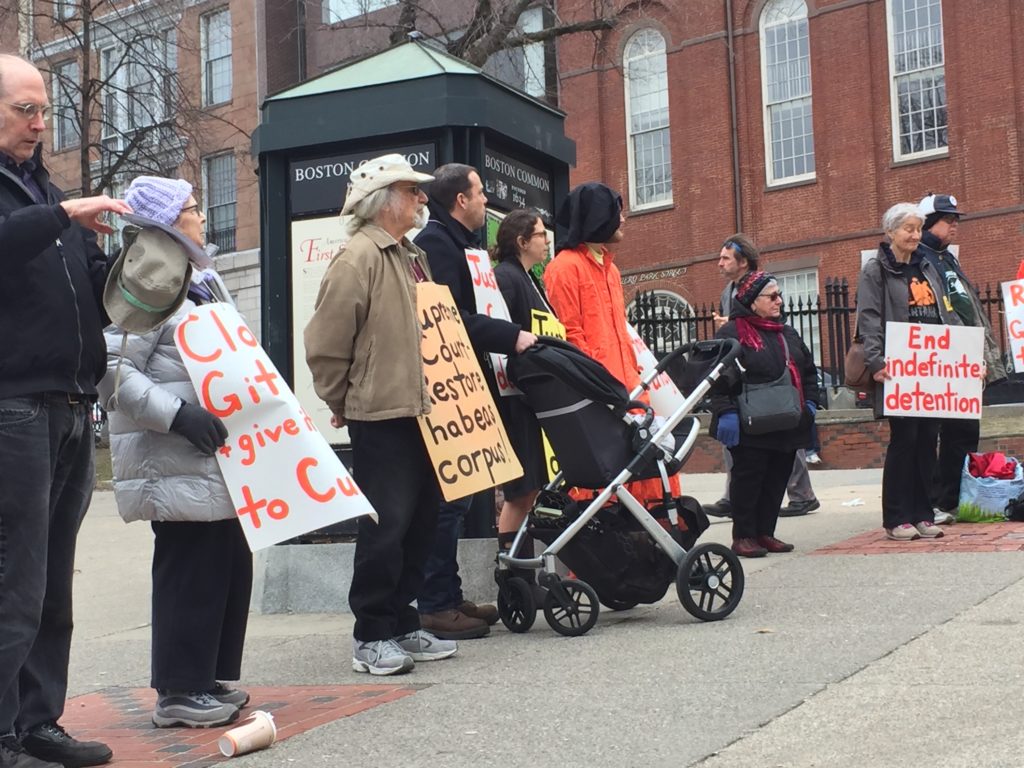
x,y
490,302
283,477
314,243
665,395
937,370
1013,303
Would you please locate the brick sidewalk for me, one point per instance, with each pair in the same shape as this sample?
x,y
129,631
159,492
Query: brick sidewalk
x,y
962,537
120,717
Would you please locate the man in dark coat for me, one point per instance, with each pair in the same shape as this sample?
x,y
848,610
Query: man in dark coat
x,y
51,358
457,205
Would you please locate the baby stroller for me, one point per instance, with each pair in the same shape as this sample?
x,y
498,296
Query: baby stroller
x,y
620,555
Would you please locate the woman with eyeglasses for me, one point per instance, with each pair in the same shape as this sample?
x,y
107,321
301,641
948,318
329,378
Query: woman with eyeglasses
x,y
521,244
762,463
163,444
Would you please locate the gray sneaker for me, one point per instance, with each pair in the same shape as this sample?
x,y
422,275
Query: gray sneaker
x,y
423,646
944,517
928,530
380,657
225,694
191,709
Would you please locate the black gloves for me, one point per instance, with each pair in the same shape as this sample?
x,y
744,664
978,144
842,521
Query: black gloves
x,y
200,427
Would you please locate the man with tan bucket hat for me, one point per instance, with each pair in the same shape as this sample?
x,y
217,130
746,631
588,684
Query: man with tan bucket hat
x,y
363,349
163,442
51,357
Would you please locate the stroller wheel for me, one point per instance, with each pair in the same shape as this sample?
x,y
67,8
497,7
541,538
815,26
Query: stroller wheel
x,y
710,582
516,605
575,613
618,605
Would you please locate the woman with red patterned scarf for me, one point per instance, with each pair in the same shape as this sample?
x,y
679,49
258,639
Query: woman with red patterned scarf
x,y
761,463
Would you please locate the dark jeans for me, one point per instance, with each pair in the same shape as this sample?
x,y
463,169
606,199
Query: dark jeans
x,y
202,581
442,586
957,438
907,475
391,466
757,484
46,480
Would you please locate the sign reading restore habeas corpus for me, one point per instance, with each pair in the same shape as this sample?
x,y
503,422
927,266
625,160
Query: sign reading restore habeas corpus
x,y
511,184
320,184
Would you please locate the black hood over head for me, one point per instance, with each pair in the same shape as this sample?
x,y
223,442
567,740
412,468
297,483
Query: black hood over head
x,y
590,214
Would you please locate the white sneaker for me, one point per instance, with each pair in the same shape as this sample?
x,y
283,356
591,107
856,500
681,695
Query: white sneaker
x,y
812,457
380,657
944,518
904,532
423,646
928,530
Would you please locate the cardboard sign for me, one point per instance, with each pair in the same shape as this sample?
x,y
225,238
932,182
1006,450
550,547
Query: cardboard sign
x,y
1013,303
282,475
665,395
937,370
490,302
546,324
463,432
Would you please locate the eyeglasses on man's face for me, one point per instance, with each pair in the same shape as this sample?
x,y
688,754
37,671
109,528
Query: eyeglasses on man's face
x,y
413,189
29,111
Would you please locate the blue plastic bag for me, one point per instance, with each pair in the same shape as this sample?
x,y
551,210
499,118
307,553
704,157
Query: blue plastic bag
x,y
984,499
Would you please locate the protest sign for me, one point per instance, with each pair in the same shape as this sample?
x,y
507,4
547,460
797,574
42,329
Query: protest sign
x,y
282,475
936,371
490,302
463,433
546,324
664,394
1013,304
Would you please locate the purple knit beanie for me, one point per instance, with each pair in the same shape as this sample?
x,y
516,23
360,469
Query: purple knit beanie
x,y
157,198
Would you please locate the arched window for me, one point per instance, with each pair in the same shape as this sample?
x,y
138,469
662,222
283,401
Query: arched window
x,y
650,158
786,92
918,85
664,320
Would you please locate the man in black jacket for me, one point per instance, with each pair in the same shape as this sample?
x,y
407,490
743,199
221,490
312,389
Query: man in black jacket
x,y
457,205
51,357
957,437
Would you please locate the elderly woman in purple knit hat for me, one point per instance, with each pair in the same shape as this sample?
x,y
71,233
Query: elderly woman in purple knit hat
x,y
163,444
761,462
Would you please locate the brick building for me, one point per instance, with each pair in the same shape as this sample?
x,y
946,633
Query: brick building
x,y
866,102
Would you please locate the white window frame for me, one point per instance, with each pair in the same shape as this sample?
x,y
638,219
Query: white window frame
x,y
66,9
64,110
662,298
894,76
205,22
208,194
800,15
666,200
337,11
810,293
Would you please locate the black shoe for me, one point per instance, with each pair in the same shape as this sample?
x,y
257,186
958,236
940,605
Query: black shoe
x,y
721,508
797,508
13,755
51,742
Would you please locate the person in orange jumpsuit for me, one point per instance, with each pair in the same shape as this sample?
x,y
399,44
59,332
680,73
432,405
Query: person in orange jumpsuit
x,y
585,289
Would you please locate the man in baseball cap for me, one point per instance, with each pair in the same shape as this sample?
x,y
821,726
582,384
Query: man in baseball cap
x,y
957,437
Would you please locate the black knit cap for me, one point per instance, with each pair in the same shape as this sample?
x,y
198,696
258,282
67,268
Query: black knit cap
x,y
751,285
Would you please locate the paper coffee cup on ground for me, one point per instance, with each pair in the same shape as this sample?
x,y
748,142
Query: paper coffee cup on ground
x,y
257,732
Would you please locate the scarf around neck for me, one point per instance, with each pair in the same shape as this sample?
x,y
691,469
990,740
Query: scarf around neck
x,y
747,328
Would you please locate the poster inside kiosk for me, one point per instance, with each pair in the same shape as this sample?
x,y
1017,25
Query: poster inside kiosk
x,y
282,475
936,370
463,432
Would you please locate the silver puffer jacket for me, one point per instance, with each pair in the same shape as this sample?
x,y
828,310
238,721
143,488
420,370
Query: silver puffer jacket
x,y
158,475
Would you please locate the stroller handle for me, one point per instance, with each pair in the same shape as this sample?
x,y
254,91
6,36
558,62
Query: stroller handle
x,y
731,346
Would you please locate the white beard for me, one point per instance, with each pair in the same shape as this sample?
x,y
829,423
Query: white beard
x,y
422,217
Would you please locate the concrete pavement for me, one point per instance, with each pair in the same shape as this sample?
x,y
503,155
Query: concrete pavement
x,y
830,660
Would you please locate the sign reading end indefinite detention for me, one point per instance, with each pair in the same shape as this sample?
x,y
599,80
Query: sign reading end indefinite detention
x,y
937,370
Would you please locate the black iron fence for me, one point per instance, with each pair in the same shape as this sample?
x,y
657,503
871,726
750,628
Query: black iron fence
x,y
826,323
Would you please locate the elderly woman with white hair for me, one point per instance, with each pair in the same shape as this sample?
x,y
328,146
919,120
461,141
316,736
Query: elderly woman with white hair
x,y
899,285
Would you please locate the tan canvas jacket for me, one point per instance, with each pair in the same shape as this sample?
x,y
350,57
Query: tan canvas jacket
x,y
363,341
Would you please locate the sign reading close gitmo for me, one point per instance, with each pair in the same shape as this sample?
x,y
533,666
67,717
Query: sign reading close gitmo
x,y
463,433
1013,301
937,370
283,477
